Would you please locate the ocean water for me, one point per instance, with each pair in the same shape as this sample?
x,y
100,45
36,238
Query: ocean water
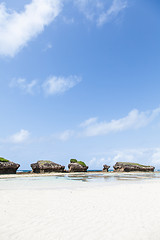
x,y
78,180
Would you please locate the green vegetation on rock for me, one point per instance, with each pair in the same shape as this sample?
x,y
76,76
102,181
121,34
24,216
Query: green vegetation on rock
x,y
130,163
42,162
73,161
81,163
3,160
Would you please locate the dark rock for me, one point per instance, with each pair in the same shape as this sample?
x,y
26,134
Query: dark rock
x,y
131,167
76,167
24,173
105,168
8,167
44,166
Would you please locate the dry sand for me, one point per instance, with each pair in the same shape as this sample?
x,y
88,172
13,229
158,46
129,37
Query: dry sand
x,y
126,211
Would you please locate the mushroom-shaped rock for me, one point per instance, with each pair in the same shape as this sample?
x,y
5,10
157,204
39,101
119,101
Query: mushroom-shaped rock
x,y
105,168
77,166
131,167
44,166
8,167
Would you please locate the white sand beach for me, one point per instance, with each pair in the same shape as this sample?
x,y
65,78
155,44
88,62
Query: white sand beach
x,y
125,211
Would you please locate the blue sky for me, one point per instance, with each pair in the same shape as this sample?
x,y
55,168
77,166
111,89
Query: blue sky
x,y
80,79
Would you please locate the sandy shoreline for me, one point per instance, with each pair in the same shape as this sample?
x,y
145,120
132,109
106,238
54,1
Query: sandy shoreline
x,y
123,212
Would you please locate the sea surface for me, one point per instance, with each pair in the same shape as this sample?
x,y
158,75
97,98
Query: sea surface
x,y
78,180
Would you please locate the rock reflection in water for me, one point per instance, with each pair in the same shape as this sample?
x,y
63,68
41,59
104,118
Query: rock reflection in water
x,y
105,177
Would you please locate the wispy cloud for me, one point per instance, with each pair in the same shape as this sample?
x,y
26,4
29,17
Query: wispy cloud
x,y
57,85
66,135
19,137
88,122
148,156
47,47
67,20
17,29
155,158
52,86
92,127
116,7
134,120
97,163
100,11
23,85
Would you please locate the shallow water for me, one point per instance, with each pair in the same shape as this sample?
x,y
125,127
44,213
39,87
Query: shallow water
x,y
78,180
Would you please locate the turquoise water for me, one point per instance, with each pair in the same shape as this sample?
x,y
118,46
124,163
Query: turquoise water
x,y
75,180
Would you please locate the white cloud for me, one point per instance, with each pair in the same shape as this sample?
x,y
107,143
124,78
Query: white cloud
x,y
100,11
146,156
51,86
67,20
57,85
66,135
91,127
97,163
88,122
155,159
19,137
124,156
47,47
16,29
22,84
133,120
116,7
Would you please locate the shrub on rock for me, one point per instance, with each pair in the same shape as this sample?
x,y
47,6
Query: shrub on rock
x,y
77,166
3,160
73,161
81,163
